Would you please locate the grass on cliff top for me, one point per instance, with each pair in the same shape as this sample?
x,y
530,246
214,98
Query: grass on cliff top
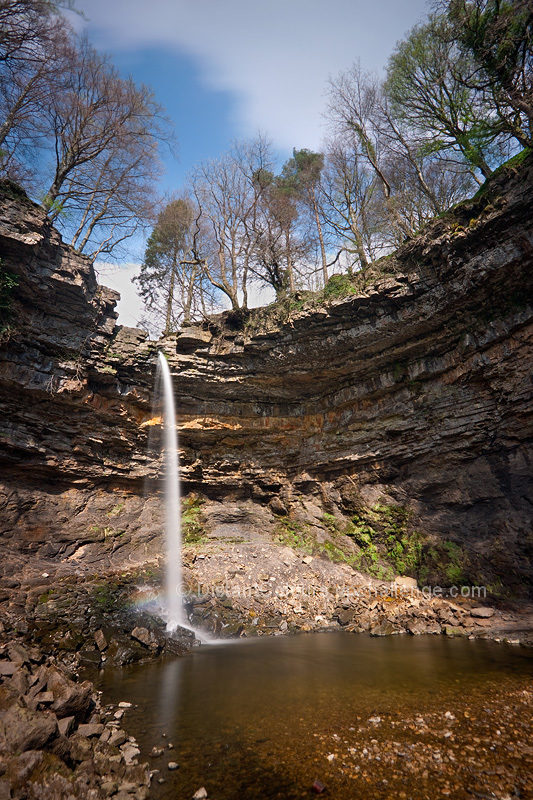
x,y
283,311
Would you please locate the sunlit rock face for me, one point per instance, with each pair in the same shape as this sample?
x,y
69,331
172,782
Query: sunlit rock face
x,y
419,389
423,385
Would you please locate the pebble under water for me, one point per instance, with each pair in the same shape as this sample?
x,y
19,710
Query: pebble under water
x,y
394,717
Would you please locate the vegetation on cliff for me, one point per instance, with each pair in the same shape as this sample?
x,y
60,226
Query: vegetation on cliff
x,y
455,105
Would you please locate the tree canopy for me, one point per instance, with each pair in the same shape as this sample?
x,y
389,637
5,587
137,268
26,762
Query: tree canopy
x,y
457,101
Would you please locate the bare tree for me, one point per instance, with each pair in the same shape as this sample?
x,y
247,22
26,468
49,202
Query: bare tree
x,y
106,132
25,27
349,192
353,111
94,108
35,48
111,197
416,178
227,191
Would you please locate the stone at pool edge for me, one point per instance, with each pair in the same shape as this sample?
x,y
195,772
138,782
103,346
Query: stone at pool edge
x,y
383,629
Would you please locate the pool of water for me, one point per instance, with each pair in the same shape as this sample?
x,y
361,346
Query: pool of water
x,y
419,717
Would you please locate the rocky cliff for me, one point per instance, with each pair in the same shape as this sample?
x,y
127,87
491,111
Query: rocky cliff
x,y
410,397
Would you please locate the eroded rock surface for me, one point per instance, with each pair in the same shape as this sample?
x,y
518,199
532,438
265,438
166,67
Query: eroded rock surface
x,y
417,390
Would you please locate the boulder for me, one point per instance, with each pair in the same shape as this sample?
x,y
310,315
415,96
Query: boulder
x,y
406,583
70,699
22,729
483,612
383,629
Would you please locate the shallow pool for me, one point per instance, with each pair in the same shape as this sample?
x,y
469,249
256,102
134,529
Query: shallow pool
x,y
419,717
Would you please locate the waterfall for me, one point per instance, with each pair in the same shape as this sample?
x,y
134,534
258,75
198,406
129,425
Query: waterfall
x,y
173,577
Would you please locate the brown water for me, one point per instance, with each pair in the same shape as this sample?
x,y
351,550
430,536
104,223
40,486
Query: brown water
x,y
418,717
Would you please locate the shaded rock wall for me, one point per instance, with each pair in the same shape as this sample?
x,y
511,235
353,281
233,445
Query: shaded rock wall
x,y
72,445
418,389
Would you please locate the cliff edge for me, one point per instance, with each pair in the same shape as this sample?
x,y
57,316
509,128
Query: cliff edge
x,y
397,418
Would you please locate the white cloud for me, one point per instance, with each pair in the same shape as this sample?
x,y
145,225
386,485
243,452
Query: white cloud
x,y
275,56
130,307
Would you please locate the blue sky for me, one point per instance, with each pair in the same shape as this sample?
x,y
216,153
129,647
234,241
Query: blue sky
x,y
226,69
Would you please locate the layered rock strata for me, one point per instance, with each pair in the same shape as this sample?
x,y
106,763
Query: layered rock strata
x,y
416,389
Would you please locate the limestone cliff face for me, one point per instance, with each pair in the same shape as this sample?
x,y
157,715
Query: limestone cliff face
x,y
422,385
72,445
418,389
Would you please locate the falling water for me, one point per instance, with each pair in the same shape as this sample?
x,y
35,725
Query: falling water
x,y
173,587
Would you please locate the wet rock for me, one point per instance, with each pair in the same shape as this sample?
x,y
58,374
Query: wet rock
x,y
417,627
130,752
101,641
344,616
201,794
150,638
383,629
452,631
233,629
124,651
172,765
89,658
117,738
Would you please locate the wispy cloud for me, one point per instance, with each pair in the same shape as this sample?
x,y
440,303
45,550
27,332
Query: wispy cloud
x,y
275,56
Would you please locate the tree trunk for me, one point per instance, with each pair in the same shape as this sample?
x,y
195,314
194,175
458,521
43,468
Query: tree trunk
x,y
358,239
290,270
320,238
170,301
190,292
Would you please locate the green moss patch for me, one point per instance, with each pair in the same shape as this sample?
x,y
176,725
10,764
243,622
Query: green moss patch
x,y
192,529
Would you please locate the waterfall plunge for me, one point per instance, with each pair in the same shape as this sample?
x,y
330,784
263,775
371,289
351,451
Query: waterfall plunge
x,y
173,578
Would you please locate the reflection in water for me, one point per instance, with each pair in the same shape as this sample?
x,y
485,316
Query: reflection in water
x,y
168,695
248,719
